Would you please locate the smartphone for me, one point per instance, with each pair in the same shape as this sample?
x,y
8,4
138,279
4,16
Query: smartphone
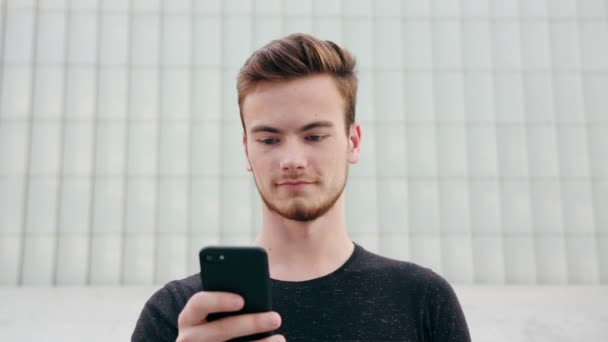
x,y
240,270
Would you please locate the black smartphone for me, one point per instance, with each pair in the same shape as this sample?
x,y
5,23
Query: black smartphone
x,y
240,270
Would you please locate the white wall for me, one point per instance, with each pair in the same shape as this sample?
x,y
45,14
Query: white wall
x,y
485,125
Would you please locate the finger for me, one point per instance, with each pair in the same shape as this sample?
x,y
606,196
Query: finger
x,y
244,325
241,325
203,303
273,338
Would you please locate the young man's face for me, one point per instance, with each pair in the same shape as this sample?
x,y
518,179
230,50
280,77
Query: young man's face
x,y
296,145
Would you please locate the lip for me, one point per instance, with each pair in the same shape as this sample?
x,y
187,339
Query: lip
x,y
294,185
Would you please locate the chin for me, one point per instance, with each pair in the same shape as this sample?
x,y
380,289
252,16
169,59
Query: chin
x,y
302,214
299,210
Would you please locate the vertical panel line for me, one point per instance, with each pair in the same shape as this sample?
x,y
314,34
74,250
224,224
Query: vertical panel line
x,y
554,127
500,185
377,177
560,157
190,141
526,128
406,123
591,177
283,18
29,134
467,133
3,17
222,122
603,277
436,125
96,122
160,69
408,178
530,182
252,40
2,66
62,130
127,123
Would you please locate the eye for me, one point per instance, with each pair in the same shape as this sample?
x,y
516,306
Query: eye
x,y
314,138
268,141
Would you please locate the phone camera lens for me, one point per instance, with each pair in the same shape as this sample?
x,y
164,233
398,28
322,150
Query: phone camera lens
x,y
209,258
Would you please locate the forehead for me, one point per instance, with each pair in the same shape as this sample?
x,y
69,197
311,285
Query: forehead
x,y
294,102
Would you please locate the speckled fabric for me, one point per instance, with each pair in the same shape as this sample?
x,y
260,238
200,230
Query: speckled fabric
x,y
369,298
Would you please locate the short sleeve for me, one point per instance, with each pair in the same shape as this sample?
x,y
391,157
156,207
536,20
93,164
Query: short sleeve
x,y
157,320
445,318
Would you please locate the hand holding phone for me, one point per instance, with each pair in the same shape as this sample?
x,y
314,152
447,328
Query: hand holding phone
x,y
193,325
240,270
235,302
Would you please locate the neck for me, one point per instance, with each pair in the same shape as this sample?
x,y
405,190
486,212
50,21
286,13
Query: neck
x,y
299,251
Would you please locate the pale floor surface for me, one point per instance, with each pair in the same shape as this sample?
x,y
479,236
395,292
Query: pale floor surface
x,y
494,313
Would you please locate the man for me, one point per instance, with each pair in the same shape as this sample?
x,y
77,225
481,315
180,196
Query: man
x,y
297,101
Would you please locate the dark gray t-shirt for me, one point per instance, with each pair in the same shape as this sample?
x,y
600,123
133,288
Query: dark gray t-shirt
x,y
369,298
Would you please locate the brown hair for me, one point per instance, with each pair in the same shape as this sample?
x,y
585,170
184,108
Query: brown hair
x,y
300,55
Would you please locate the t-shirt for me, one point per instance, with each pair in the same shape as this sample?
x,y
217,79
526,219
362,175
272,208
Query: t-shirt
x,y
369,298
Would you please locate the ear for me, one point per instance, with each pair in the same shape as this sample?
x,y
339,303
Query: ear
x,y
247,163
354,143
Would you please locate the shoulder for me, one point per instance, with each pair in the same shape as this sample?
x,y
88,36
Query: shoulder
x,y
421,288
177,292
369,262
170,299
418,278
185,287
158,319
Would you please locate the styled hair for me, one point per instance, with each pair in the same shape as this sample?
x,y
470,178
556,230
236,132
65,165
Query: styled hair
x,y
300,55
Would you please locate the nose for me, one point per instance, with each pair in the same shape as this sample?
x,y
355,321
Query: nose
x,y
293,158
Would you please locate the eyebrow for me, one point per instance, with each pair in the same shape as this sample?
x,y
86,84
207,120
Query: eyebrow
x,y
263,128
317,124
308,127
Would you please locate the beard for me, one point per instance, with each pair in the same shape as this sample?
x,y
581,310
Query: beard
x,y
299,210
